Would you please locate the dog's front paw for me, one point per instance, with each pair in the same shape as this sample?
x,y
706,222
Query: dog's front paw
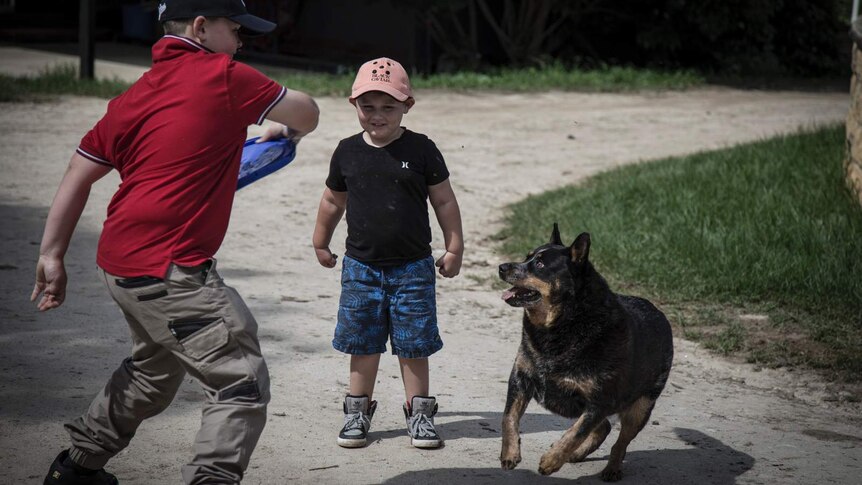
x,y
510,460
550,463
611,474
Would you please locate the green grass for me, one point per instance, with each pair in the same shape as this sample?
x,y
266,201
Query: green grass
x,y
63,80
556,77
766,228
56,81
550,78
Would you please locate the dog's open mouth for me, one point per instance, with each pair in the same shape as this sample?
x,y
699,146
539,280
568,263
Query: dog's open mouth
x,y
517,296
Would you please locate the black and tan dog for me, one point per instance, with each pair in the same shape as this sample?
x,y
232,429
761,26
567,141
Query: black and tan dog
x,y
586,353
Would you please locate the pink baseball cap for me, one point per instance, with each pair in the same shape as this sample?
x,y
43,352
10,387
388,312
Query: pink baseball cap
x,y
382,74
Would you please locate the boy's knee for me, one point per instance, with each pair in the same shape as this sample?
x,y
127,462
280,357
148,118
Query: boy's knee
x,y
164,381
247,391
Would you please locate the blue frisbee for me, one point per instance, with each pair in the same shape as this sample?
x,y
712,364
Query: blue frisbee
x,y
261,159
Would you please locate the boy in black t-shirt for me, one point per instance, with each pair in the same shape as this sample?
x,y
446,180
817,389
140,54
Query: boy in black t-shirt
x,y
383,177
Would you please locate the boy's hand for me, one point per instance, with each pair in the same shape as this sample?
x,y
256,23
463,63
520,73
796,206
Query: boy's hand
x,y
273,131
276,131
449,264
50,279
325,257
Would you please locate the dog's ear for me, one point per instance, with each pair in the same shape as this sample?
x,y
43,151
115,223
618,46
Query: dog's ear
x,y
581,248
555,236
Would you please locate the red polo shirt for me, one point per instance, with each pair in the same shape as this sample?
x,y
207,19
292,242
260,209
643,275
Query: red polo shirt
x,y
176,139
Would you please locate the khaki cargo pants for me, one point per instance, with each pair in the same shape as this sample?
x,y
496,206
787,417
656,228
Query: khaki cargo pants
x,y
190,322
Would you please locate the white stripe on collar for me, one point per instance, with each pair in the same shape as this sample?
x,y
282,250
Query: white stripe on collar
x,y
187,41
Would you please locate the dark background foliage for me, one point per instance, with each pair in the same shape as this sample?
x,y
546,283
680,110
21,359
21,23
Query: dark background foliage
x,y
802,38
729,37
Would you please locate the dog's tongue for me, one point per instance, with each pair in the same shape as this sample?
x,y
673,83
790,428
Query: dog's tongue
x,y
508,294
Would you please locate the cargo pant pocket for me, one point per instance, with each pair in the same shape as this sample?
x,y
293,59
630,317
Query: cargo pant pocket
x,y
216,357
143,288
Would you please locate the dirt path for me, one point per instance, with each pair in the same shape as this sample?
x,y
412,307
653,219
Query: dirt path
x,y
717,422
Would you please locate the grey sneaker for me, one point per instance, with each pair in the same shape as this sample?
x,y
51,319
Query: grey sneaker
x,y
420,422
357,419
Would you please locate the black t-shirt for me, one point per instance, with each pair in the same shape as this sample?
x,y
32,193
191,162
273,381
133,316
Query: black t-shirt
x,y
387,193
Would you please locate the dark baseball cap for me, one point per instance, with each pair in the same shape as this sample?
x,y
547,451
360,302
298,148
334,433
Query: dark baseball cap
x,y
232,9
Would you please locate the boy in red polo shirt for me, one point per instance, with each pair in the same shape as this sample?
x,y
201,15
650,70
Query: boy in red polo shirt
x,y
176,138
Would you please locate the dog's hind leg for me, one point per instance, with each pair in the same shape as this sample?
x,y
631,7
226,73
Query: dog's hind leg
x,y
632,420
573,439
592,443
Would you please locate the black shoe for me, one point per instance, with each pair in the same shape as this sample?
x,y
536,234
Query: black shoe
x,y
64,472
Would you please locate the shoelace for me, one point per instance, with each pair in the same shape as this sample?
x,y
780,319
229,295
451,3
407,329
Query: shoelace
x,y
421,427
355,421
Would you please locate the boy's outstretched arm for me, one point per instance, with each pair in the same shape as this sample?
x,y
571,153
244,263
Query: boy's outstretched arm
x,y
298,112
332,205
449,217
62,218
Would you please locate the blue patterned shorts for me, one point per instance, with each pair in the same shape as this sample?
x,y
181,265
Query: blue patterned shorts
x,y
380,303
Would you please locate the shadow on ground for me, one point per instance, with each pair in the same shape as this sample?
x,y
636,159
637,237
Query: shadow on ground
x,y
705,461
43,355
49,357
483,425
